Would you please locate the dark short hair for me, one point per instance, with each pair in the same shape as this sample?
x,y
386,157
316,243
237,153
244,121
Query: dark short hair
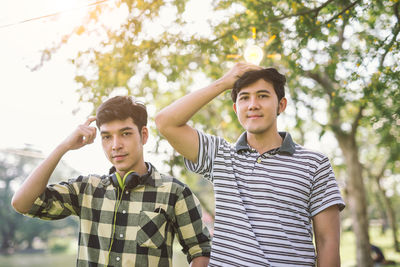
x,y
121,108
270,75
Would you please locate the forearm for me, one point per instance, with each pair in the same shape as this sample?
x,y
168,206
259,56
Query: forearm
x,y
179,113
36,182
327,237
328,255
200,262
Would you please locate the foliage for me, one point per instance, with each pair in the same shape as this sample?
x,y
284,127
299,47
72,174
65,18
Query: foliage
x,y
339,56
18,231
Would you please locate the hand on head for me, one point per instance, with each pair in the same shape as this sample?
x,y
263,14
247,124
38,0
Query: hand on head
x,y
83,135
236,72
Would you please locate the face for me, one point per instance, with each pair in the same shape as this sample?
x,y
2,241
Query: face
x,y
257,107
123,144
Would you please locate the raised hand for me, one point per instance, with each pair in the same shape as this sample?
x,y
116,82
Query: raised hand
x,y
83,135
236,72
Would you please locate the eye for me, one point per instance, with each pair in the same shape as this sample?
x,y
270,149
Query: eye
x,y
243,97
126,133
105,137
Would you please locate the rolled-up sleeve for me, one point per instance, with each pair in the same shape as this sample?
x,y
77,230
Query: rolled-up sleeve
x,y
192,233
57,201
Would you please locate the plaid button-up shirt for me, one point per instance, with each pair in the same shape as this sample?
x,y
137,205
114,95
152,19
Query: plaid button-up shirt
x,y
135,227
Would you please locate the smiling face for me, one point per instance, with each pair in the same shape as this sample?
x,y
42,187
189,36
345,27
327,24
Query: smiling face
x,y
123,145
257,107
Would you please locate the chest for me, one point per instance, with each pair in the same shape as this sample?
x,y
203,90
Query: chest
x,y
263,181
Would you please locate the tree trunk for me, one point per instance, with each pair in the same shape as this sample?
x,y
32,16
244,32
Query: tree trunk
x,y
356,198
6,244
382,212
391,214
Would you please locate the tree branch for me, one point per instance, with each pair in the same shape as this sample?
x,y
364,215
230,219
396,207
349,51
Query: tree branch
x,y
395,33
327,85
357,119
305,12
343,11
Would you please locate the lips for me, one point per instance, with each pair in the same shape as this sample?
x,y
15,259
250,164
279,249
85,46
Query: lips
x,y
254,116
119,157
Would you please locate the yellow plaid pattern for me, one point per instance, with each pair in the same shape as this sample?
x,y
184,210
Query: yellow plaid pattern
x,y
146,220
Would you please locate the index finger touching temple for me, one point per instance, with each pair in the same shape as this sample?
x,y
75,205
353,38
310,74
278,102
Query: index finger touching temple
x,y
90,120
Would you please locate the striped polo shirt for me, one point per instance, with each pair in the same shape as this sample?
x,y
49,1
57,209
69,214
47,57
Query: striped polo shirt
x,y
265,202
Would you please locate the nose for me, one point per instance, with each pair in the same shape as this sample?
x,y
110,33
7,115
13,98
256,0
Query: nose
x,y
253,103
116,144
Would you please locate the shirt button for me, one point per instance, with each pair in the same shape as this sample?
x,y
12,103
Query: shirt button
x,y
124,211
117,258
121,235
259,160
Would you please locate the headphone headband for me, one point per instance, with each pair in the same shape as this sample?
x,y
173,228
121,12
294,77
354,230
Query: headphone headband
x,y
130,180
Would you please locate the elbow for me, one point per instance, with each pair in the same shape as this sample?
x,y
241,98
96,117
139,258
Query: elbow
x,y
159,121
17,205
14,204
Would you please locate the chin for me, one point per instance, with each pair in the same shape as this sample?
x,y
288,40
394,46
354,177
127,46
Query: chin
x,y
256,130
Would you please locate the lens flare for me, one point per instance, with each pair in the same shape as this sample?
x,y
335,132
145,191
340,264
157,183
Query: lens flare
x,y
253,54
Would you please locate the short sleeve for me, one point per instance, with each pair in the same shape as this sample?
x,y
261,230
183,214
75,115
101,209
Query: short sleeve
x,y
325,191
208,146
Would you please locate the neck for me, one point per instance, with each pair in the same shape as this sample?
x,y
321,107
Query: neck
x,y
140,169
264,142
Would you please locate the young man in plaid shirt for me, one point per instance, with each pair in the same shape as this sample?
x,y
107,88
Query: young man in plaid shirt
x,y
129,217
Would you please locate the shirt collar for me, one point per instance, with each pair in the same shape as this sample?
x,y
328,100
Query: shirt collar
x,y
288,146
153,177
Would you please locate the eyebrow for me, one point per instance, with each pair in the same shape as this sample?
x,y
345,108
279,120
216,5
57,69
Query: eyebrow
x,y
258,91
120,130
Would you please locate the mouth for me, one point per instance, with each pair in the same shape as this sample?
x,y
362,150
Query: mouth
x,y
119,157
254,116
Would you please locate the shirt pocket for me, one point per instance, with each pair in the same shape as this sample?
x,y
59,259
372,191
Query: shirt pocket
x,y
152,230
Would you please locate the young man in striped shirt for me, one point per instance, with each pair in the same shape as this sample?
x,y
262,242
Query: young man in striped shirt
x,y
129,217
271,194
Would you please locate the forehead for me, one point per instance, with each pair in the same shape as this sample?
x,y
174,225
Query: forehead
x,y
259,85
118,125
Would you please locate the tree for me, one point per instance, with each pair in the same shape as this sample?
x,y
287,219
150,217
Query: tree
x,y
15,229
340,54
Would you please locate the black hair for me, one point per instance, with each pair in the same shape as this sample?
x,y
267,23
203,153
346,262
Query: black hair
x,y
121,108
270,75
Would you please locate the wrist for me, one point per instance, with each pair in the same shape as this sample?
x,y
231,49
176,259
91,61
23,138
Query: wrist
x,y
223,85
62,149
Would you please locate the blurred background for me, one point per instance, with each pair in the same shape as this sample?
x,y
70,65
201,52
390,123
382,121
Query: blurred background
x,y
60,59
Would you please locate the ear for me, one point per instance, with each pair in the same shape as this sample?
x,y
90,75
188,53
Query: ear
x,y
234,108
145,134
282,105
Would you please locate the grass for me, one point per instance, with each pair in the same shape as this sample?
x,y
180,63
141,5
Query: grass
x,y
61,260
347,252
384,241
67,259
38,260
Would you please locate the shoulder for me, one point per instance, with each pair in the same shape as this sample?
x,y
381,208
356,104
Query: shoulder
x,y
174,185
309,154
171,181
206,138
92,179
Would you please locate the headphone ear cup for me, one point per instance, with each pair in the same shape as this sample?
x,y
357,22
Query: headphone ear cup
x,y
132,180
114,180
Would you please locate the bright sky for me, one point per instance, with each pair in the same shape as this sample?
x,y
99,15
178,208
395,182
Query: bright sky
x,y
36,107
